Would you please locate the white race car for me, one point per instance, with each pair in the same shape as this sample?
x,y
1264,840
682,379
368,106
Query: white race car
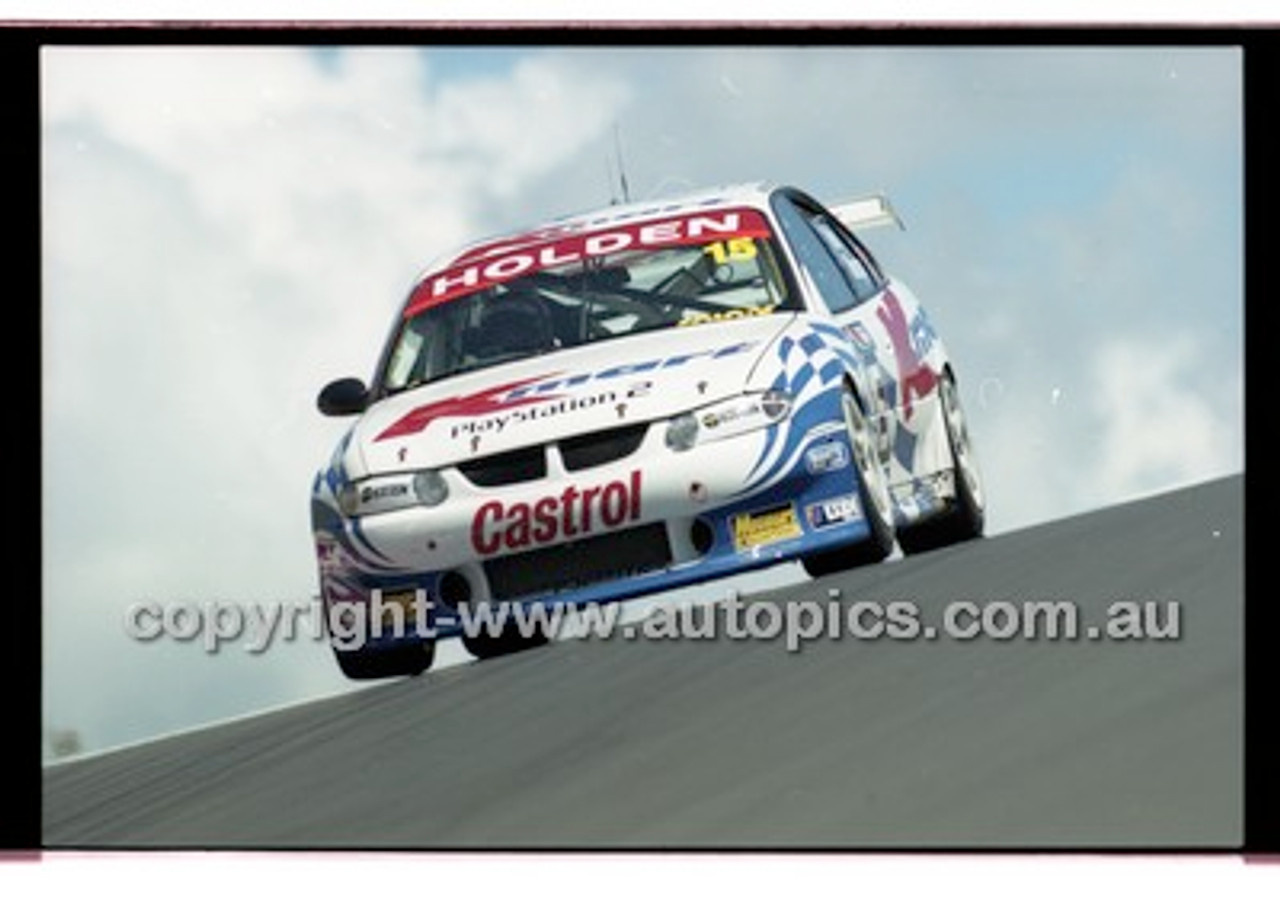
x,y
636,399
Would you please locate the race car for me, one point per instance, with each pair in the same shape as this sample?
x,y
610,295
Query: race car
x,y
639,398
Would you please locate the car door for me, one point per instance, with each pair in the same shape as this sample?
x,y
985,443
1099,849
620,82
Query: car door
x,y
888,316
850,289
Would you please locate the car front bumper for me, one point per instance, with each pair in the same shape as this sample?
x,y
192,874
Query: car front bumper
x,y
653,522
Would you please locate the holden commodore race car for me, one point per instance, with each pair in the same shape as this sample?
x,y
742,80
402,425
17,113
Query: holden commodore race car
x,y
635,399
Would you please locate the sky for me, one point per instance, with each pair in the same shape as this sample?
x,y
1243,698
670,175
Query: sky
x,y
226,229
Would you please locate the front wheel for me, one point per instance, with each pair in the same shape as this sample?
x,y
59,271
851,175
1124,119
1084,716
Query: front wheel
x,y
873,496
487,646
409,660
966,516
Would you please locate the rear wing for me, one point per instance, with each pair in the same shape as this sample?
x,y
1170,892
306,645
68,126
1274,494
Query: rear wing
x,y
866,212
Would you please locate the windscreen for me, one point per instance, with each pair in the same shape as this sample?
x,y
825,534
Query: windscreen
x,y
554,291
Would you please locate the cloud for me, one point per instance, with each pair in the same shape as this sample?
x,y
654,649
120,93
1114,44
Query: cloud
x,y
1170,414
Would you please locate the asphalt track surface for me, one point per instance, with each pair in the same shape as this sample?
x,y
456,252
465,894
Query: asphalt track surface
x,y
848,744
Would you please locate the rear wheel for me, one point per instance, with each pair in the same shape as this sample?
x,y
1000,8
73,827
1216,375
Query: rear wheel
x,y
966,517
873,496
409,660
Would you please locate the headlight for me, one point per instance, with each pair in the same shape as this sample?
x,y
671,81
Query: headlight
x,y
429,487
682,432
390,492
776,404
728,419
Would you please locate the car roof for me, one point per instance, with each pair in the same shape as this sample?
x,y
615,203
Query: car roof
x,y
754,194
751,194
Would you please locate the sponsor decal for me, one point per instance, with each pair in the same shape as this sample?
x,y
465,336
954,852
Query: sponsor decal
x,y
328,553
485,268
833,511
490,410
702,318
556,382
760,528
569,227
728,415
922,334
862,340
550,408
332,556
574,512
474,404
387,491
824,457
913,374
406,599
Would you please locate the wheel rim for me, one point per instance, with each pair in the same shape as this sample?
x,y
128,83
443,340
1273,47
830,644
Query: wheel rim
x,y
864,457
961,448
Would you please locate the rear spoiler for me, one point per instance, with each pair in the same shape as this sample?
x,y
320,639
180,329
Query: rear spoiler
x,y
866,212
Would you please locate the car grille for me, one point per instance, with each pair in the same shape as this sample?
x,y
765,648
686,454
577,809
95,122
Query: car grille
x,y
581,563
507,468
602,447
578,453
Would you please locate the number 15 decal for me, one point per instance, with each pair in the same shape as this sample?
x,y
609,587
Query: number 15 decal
x,y
733,249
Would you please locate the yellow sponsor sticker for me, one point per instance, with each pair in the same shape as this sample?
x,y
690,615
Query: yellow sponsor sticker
x,y
702,318
761,528
735,248
405,599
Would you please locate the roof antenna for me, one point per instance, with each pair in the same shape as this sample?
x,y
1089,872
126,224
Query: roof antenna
x,y
608,174
622,169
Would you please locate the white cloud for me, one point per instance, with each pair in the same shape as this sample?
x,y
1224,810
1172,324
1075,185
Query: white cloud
x,y
1170,412
1144,415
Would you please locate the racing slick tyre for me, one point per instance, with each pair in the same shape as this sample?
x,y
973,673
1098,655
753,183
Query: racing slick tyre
x,y
873,495
487,646
410,660
966,517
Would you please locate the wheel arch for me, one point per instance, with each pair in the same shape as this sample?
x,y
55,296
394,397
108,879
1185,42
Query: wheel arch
x,y
850,383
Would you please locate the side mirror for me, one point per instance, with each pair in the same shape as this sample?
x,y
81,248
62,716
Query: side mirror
x,y
345,396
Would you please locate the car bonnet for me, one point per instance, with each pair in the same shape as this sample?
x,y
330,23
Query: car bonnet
x,y
626,381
